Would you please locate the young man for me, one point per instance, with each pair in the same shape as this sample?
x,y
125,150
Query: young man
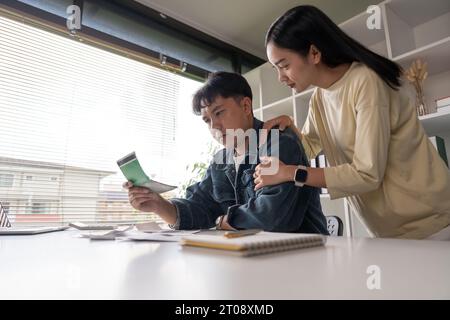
x,y
226,197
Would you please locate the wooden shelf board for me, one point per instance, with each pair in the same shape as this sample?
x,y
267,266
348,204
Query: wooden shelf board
x,y
438,122
435,54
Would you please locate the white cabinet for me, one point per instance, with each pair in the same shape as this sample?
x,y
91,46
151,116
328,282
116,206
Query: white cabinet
x,y
410,29
415,25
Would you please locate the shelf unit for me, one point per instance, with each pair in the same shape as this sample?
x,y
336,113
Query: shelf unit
x,y
410,29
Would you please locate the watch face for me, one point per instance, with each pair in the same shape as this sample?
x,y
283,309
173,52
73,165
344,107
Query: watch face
x,y
300,175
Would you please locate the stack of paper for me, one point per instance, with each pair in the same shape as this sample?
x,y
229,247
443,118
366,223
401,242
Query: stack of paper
x,y
132,233
163,236
106,235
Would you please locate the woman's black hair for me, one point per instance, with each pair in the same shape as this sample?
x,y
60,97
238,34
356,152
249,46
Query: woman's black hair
x,y
303,26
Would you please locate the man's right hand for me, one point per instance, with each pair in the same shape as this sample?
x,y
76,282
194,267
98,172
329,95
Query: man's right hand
x,y
144,199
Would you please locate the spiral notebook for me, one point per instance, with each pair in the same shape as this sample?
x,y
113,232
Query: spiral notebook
x,y
261,243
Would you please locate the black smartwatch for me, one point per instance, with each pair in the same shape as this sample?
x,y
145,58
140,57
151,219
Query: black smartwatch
x,y
301,174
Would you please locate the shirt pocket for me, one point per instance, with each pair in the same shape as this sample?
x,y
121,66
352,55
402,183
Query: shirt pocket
x,y
222,191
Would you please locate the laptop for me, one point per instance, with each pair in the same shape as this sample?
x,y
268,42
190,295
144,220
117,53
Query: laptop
x,y
7,229
30,230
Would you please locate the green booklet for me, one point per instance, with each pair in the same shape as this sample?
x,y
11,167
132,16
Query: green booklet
x,y
133,172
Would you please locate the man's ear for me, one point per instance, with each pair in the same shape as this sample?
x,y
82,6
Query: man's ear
x,y
246,103
314,55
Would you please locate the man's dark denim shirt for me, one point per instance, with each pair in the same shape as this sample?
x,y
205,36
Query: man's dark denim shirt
x,y
279,208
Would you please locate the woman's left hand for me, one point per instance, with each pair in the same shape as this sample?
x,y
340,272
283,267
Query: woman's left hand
x,y
272,171
282,122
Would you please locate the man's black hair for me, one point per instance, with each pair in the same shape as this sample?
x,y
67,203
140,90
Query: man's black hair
x,y
223,84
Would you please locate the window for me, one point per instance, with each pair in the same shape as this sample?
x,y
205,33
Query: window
x,y
70,110
130,24
6,180
38,208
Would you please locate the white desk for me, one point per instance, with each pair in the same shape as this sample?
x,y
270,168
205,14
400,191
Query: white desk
x,y
60,266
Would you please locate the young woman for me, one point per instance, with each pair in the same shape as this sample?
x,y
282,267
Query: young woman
x,y
360,118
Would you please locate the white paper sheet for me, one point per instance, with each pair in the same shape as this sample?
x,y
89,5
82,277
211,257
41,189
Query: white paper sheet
x,y
173,236
133,234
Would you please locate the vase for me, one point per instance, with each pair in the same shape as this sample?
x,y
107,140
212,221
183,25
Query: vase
x,y
421,106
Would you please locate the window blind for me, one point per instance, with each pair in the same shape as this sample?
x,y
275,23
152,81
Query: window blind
x,y
132,25
68,111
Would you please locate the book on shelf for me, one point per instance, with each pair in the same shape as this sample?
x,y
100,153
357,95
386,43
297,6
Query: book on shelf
x,y
439,144
260,243
443,102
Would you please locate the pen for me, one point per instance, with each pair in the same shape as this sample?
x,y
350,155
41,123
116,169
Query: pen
x,y
241,233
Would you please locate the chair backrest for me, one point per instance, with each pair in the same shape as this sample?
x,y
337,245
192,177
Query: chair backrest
x,y
335,226
4,221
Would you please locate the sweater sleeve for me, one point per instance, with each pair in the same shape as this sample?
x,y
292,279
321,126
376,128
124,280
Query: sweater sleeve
x,y
366,171
310,137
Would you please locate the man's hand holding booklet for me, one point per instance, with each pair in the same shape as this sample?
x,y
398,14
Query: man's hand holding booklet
x,y
133,172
